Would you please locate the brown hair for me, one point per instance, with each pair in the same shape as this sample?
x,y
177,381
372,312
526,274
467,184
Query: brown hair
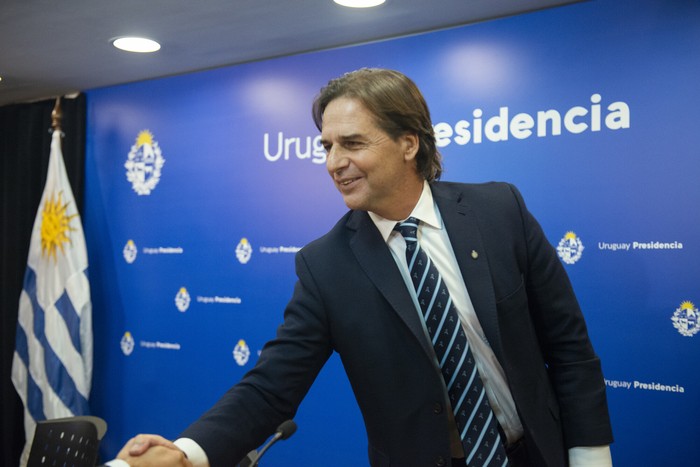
x,y
397,105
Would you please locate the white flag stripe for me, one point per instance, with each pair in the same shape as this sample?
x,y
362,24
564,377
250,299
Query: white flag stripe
x,y
59,339
77,286
51,404
57,380
52,365
71,319
19,375
35,355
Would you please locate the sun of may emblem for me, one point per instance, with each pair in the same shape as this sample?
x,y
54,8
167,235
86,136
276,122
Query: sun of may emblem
x,y
55,226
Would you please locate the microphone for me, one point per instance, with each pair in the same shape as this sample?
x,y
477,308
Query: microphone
x,y
284,431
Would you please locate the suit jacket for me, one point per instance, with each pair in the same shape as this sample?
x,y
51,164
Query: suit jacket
x,y
350,298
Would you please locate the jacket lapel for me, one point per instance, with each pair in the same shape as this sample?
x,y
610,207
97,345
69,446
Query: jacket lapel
x,y
376,260
463,230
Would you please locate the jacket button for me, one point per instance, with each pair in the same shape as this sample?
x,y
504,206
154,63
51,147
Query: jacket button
x,y
437,408
440,462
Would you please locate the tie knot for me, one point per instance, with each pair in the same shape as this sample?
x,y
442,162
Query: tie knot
x,y
408,229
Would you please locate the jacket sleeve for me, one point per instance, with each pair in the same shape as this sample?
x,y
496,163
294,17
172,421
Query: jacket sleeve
x,y
573,367
271,392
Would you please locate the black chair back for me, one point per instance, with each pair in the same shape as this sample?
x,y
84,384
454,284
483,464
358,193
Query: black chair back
x,y
67,442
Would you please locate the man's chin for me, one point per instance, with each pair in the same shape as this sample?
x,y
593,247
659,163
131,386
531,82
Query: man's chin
x,y
354,204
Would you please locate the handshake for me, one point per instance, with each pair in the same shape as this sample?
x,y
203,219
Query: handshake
x,y
151,450
154,450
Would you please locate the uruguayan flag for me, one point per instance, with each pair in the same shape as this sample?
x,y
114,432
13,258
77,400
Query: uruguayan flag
x,y
52,364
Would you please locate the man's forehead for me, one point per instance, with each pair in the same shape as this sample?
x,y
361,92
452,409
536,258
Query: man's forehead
x,y
346,117
348,127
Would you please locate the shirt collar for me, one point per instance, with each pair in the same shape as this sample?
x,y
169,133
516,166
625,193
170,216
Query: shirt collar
x,y
425,210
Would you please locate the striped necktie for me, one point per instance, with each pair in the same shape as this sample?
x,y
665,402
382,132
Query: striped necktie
x,y
478,427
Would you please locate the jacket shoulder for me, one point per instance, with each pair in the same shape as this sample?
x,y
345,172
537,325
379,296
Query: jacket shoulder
x,y
336,235
480,195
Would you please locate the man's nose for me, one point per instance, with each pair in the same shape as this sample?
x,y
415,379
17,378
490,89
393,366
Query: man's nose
x,y
335,160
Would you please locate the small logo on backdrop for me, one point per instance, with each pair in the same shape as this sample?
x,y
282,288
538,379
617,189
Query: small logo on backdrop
x,y
130,251
685,319
127,343
243,251
570,248
182,300
143,164
241,353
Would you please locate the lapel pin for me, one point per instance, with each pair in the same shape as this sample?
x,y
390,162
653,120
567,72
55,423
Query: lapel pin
x,y
475,255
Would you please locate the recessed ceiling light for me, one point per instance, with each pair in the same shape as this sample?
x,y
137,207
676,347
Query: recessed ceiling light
x,y
359,3
136,44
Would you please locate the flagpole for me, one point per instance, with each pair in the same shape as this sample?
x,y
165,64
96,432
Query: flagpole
x,y
56,115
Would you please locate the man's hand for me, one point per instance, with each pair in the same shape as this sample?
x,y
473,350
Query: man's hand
x,y
152,450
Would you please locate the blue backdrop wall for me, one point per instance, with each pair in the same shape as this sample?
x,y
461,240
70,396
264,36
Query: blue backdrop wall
x,y
200,189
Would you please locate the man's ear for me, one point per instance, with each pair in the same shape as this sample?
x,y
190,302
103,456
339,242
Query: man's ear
x,y
410,145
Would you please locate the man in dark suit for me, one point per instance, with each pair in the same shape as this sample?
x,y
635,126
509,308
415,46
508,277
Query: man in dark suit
x,y
540,381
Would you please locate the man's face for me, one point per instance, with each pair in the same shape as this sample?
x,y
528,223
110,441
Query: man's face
x,y
372,171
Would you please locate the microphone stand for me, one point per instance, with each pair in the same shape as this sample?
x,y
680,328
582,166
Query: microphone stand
x,y
284,431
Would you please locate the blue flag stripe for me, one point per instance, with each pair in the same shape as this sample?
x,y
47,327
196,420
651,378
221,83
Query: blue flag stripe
x,y
34,397
21,346
58,377
70,316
